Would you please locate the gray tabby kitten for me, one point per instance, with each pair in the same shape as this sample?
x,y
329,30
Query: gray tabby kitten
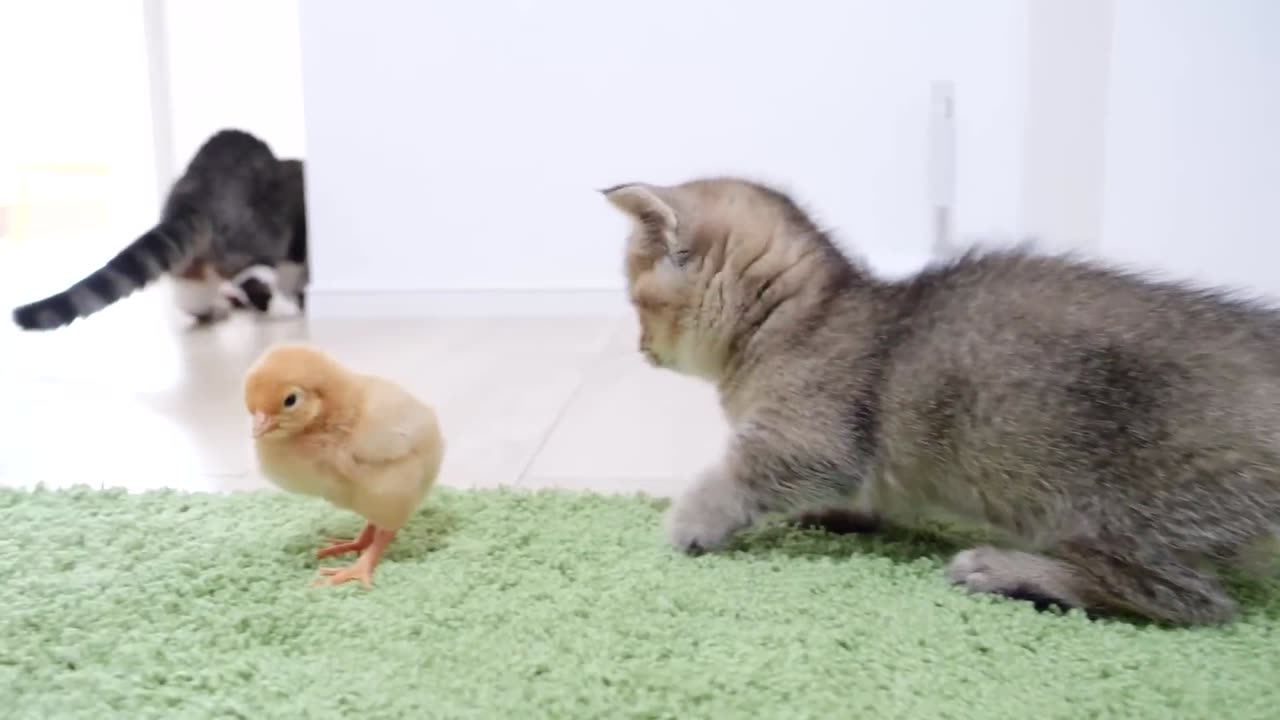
x,y
236,215
1121,436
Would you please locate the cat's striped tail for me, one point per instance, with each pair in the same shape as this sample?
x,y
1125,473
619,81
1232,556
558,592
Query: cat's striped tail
x,y
146,259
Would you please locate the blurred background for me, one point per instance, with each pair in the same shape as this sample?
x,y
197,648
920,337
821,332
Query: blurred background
x,y
453,148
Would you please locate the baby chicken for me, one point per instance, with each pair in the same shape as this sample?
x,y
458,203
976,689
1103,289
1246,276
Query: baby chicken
x,y
358,441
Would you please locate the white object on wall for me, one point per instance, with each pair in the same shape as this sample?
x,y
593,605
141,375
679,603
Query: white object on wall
x,y
942,157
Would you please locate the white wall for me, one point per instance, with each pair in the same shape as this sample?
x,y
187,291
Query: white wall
x,y
1193,140
232,63
76,166
76,93
456,146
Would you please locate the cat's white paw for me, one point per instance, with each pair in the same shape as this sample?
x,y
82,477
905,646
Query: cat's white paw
x,y
706,517
200,299
282,307
698,530
212,315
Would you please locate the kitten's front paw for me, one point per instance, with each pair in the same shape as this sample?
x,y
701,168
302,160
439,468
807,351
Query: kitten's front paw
x,y
698,522
698,531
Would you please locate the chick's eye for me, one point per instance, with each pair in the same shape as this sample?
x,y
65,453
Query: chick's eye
x,y
291,399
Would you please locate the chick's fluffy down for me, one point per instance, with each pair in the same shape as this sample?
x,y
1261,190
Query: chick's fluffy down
x,y
359,441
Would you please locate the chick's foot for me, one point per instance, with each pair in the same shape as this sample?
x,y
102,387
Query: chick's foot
x,y
362,569
341,546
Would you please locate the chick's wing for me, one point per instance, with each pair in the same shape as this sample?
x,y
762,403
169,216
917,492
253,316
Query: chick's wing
x,y
393,426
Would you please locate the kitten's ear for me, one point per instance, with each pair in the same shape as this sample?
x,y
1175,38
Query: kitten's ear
x,y
644,204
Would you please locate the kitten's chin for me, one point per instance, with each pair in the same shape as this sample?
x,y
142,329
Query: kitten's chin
x,y
692,370
656,361
695,361
684,360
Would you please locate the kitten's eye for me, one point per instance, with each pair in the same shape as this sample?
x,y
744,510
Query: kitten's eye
x,y
291,400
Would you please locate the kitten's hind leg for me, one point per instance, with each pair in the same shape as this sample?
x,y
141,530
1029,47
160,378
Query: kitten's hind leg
x,y
1018,575
1162,589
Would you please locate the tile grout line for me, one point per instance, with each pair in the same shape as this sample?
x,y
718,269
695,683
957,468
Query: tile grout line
x,y
595,362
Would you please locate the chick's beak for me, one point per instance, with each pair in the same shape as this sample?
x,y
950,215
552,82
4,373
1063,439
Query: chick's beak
x,y
262,424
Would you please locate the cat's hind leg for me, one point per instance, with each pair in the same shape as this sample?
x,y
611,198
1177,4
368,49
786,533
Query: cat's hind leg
x,y
1094,577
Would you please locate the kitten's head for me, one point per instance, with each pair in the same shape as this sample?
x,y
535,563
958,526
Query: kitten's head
x,y
710,262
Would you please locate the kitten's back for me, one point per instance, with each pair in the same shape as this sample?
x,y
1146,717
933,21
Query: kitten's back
x,y
1055,381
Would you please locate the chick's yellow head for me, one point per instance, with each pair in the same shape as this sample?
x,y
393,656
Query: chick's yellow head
x,y
285,390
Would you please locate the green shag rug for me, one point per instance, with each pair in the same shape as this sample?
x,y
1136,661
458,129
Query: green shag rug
x,y
555,605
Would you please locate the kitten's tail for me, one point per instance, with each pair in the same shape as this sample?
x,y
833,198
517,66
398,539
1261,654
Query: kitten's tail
x,y
147,258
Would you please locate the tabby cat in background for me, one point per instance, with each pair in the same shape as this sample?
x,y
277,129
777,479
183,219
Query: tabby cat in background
x,y
1117,435
232,232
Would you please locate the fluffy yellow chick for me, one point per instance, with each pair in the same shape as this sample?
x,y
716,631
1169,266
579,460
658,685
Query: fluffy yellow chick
x,y
358,441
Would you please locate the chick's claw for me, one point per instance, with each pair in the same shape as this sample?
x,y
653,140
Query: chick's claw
x,y
341,546
339,575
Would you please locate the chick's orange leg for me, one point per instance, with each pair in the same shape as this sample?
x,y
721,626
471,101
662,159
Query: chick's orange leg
x,y
361,569
356,544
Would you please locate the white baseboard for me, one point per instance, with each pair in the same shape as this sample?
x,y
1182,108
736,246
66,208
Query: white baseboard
x,y
327,303
323,303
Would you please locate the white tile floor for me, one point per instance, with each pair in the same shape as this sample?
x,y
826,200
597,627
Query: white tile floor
x,y
131,398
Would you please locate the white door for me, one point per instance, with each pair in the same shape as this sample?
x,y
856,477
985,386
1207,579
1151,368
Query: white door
x,y
456,146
